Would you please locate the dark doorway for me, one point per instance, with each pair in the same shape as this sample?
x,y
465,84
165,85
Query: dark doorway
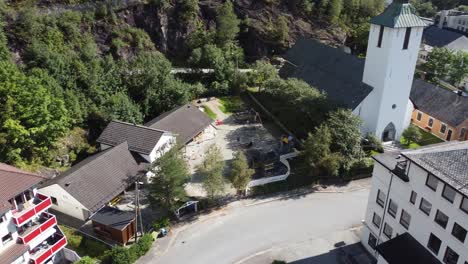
x,y
389,133
449,135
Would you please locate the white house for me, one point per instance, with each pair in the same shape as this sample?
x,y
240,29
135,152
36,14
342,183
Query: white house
x,y
453,19
28,232
417,210
377,89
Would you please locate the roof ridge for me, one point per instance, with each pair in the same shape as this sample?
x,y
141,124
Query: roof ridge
x,y
140,126
173,111
20,171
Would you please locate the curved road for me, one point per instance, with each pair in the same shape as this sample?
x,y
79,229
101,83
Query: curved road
x,y
238,233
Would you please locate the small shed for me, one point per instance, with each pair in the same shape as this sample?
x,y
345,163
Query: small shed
x,y
114,224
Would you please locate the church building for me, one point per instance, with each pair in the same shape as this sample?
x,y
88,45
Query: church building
x,y
376,88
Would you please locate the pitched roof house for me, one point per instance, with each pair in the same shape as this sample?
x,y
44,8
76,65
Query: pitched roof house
x,y
95,181
185,121
439,111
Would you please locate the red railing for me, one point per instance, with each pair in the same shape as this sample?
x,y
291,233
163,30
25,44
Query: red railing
x,y
51,221
42,256
19,218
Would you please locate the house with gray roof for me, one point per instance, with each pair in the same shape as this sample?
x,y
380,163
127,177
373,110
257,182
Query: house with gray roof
x,y
92,183
435,37
442,112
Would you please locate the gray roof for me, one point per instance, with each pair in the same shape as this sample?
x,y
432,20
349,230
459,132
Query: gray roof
x,y
185,121
447,161
140,139
437,37
329,69
399,14
113,217
12,252
440,103
98,179
14,181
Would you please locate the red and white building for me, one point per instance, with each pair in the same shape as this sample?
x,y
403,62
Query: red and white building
x,y
28,232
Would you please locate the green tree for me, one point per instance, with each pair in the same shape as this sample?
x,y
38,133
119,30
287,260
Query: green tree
x,y
189,10
262,73
86,260
120,107
346,135
438,63
334,10
170,174
227,24
424,8
211,171
411,134
458,68
241,174
281,33
4,51
31,118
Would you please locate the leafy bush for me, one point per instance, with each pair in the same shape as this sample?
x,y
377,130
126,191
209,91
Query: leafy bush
x,y
144,244
86,260
121,255
161,223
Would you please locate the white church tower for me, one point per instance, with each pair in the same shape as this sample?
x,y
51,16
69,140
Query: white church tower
x,y
392,52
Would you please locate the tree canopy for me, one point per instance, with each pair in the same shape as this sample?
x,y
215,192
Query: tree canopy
x,y
211,171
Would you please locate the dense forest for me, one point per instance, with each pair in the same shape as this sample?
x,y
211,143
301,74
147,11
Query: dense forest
x,y
68,67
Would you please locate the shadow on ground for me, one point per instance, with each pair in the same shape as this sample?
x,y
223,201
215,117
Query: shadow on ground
x,y
343,254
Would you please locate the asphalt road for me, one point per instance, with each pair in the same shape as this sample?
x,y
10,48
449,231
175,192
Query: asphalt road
x,y
241,232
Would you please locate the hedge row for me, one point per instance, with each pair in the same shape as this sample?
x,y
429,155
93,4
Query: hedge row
x,y
123,255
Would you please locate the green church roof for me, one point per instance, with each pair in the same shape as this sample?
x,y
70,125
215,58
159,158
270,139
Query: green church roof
x,y
399,14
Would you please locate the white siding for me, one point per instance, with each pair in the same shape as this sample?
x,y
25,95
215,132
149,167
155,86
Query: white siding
x,y
66,203
421,225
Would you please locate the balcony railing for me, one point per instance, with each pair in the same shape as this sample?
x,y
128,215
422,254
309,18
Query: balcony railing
x,y
31,208
37,227
48,248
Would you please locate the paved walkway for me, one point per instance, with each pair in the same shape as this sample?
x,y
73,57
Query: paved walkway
x,y
295,227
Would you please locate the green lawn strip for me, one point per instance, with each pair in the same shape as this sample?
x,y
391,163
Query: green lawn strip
x,y
230,104
82,245
426,139
209,112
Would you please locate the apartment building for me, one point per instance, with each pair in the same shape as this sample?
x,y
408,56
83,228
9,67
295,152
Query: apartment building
x,y
418,206
28,231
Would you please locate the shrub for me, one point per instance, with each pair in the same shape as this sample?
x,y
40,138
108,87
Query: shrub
x,y
143,245
86,260
160,223
121,255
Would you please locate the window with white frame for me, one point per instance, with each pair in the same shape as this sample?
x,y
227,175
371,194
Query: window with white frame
x,y
459,232
441,219
419,116
430,122
434,244
376,220
392,208
450,257
388,230
413,197
372,241
443,128
405,219
464,205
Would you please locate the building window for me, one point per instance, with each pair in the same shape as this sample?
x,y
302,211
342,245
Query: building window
x,y
430,122
405,219
6,238
464,205
407,38
2,218
413,197
419,116
443,128
372,241
381,198
459,232
54,200
376,220
425,206
449,193
432,182
379,43
434,244
450,257
441,219
462,133
388,230
392,208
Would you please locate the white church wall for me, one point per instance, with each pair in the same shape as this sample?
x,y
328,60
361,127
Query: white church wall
x,y
389,70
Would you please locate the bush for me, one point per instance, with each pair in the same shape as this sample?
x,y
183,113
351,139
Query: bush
x,y
143,245
86,260
122,255
161,223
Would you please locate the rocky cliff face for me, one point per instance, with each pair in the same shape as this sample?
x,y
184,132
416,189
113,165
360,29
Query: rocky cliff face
x,y
170,35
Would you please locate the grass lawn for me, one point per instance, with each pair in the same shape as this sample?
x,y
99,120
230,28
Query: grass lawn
x,y
82,245
209,112
230,104
426,139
